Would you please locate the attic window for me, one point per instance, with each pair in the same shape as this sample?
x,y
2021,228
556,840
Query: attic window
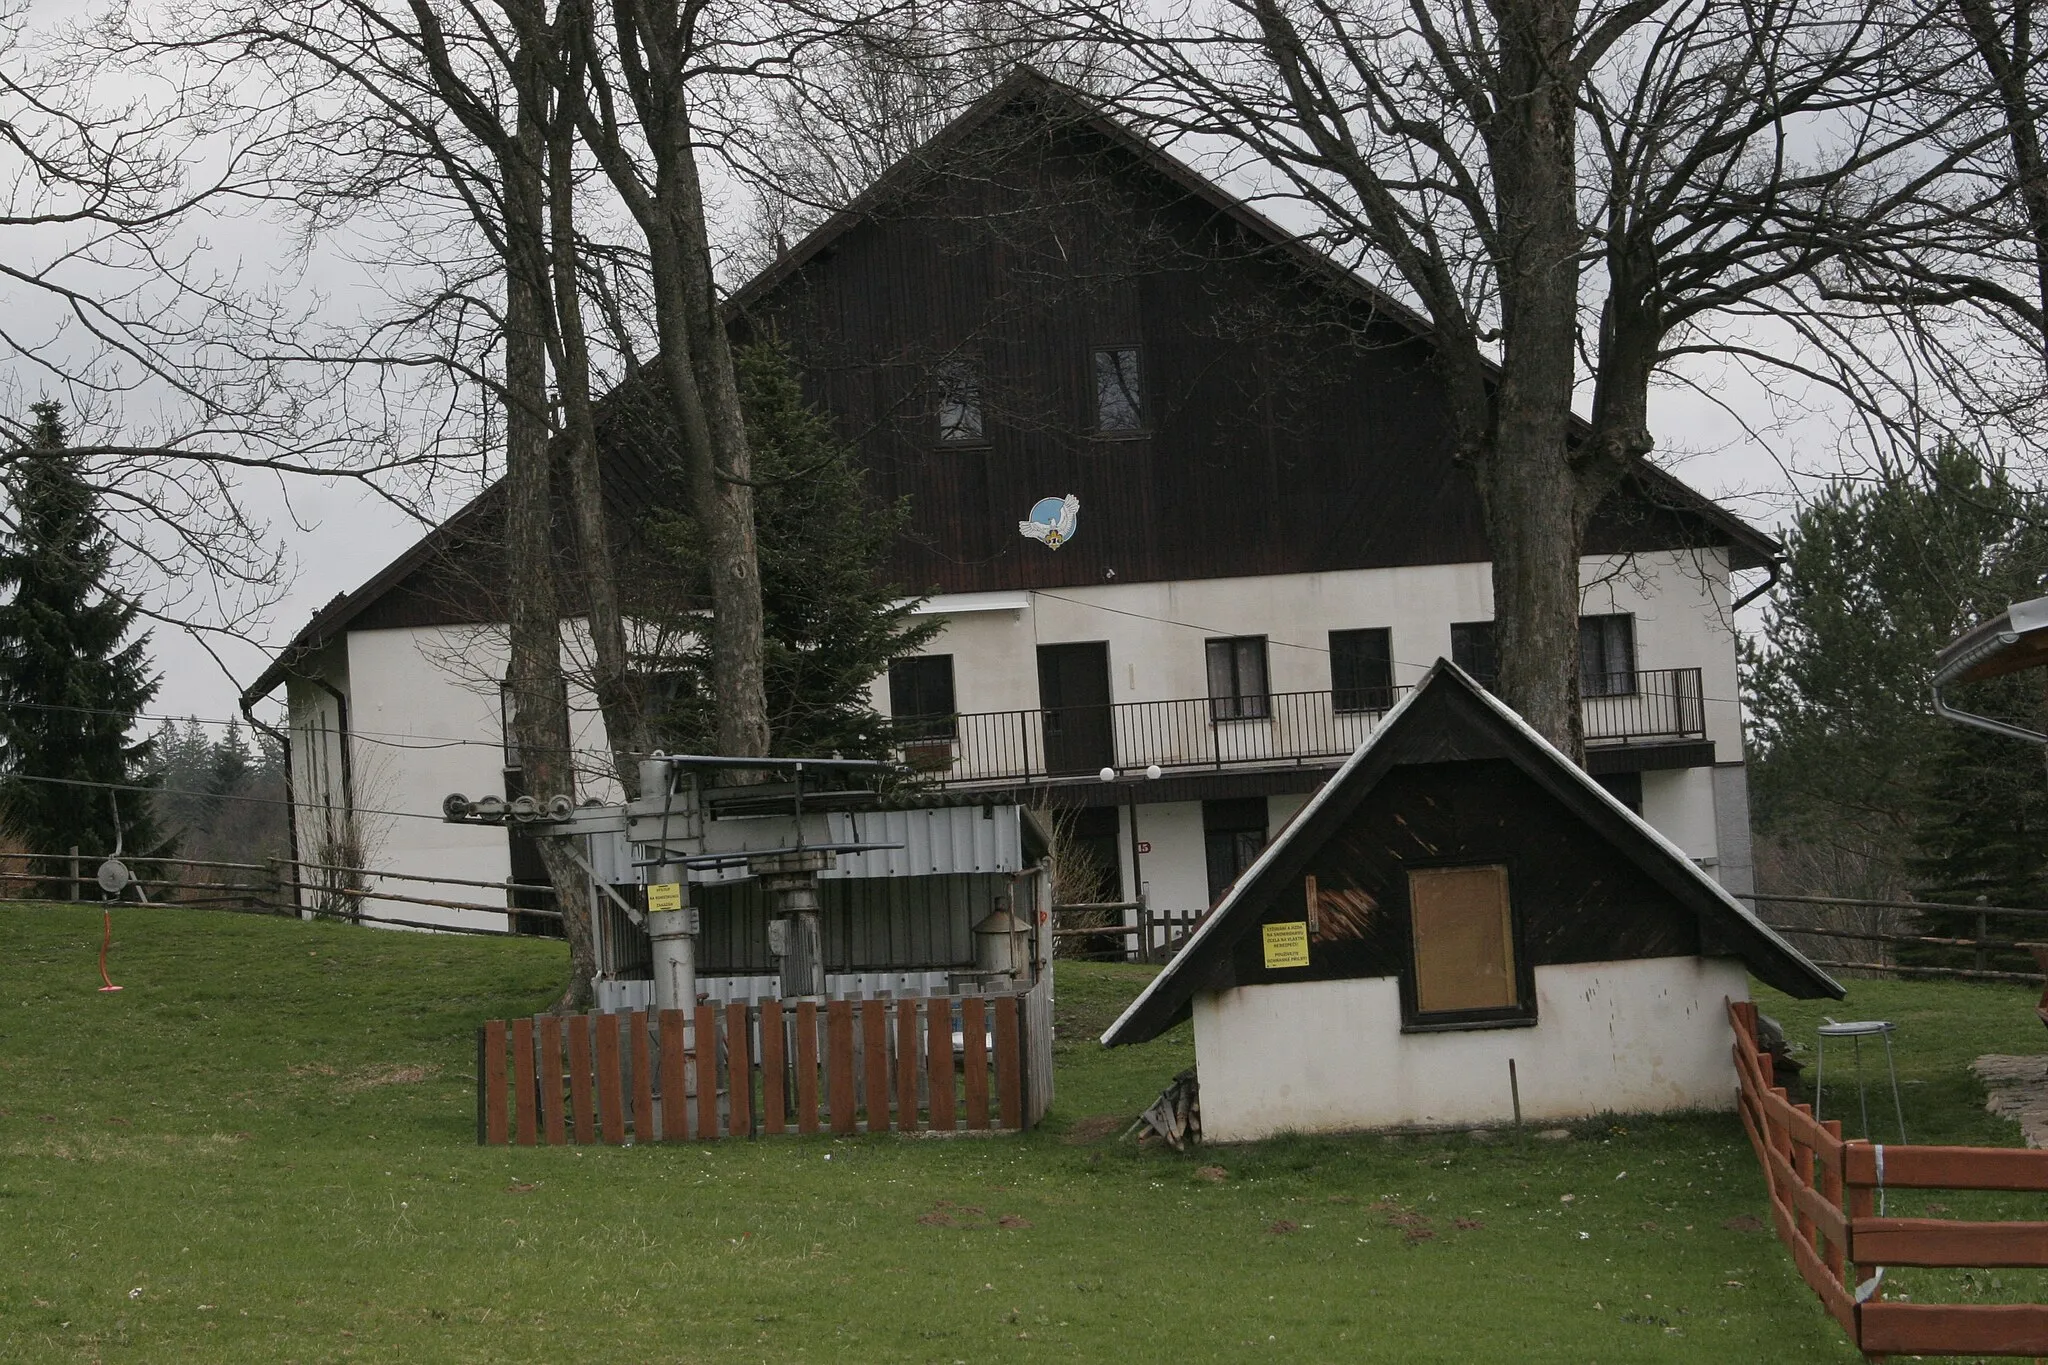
x,y
1466,970
1117,404
956,392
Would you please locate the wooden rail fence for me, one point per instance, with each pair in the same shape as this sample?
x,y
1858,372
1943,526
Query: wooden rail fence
x,y
1824,1195
735,1070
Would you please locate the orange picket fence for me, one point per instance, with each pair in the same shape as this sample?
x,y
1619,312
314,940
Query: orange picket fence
x,y
911,1064
1824,1201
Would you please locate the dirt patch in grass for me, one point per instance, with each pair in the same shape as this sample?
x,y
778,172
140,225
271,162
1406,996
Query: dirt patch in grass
x,y
370,1077
1096,1127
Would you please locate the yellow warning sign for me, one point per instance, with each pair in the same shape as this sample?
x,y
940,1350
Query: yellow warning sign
x,y
665,896
1286,944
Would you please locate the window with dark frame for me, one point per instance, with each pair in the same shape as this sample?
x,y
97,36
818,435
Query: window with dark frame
x,y
1607,656
921,697
1237,679
1233,836
956,394
1472,650
1361,670
1462,932
1119,406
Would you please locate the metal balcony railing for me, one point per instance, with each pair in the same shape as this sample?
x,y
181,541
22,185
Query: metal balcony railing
x,y
1274,729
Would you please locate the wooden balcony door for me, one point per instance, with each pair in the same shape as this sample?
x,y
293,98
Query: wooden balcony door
x,y
1073,690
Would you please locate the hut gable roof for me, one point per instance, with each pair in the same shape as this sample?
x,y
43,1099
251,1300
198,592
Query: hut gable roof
x,y
1449,718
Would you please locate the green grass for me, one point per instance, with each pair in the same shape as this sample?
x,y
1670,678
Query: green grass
x,y
262,1150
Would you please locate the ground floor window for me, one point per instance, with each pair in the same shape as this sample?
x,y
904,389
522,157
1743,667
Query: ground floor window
x,y
1233,835
921,696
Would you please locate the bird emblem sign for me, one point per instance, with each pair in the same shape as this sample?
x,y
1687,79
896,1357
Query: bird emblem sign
x,y
1052,521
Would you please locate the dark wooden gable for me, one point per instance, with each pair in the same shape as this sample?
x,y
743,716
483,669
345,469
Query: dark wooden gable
x,y
1576,897
1294,422
1452,777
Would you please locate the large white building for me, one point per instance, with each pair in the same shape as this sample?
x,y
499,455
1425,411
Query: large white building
x,y
1272,540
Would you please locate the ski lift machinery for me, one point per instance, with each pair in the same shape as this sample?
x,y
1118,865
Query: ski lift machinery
x,y
797,821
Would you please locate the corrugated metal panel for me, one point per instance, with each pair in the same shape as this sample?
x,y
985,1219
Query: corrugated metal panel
x,y
935,842
879,924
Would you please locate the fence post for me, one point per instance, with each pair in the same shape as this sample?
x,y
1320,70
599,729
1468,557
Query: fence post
x,y
74,872
1983,932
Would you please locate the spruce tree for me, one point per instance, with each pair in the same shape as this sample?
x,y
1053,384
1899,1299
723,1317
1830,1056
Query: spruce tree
x,y
1878,577
72,679
833,620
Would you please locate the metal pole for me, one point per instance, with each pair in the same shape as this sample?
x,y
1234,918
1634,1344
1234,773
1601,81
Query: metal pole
x,y
74,872
1137,872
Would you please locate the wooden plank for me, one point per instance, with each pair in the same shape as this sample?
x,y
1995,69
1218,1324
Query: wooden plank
x,y
1802,1170
579,1078
806,1066
555,1133
874,1043
1941,1329
493,1081
525,1130
906,1064
938,1044
1862,1204
974,1058
839,1063
1833,1295
1009,1064
1949,1168
1796,1120
675,1077
1831,1191
611,1091
1946,1242
643,1077
739,1069
481,1049
706,1049
1824,1218
774,1070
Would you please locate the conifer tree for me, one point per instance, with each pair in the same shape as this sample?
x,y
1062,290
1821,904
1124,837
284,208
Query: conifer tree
x,y
833,620
73,671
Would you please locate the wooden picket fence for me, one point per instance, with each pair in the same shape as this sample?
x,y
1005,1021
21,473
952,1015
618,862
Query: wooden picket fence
x,y
846,1066
1824,1198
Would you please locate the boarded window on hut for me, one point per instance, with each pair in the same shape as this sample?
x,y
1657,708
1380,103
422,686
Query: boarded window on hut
x,y
1463,928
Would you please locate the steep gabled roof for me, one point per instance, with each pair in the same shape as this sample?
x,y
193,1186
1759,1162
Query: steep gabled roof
x,y
1059,104
1448,701
1067,105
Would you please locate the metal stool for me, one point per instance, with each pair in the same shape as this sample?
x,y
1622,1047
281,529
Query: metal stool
x,y
1856,1032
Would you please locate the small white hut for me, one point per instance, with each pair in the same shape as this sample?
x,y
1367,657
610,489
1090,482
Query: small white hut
x,y
1459,904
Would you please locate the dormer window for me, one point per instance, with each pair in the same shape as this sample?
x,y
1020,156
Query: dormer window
x,y
956,386
1119,406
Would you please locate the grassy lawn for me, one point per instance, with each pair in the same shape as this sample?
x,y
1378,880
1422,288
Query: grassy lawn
x,y
263,1150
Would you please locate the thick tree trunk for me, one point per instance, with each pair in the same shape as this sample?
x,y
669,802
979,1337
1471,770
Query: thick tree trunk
x,y
618,691
541,716
696,360
738,625
1526,480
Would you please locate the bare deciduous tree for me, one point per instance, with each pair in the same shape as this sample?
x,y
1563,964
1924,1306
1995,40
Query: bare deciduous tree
x,y
1572,197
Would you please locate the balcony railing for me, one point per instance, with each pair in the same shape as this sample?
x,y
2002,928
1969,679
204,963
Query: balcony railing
x,y
1278,729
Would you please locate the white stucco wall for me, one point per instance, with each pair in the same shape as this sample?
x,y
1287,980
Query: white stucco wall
x,y
1679,804
1156,631
1329,1056
423,721
1175,870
